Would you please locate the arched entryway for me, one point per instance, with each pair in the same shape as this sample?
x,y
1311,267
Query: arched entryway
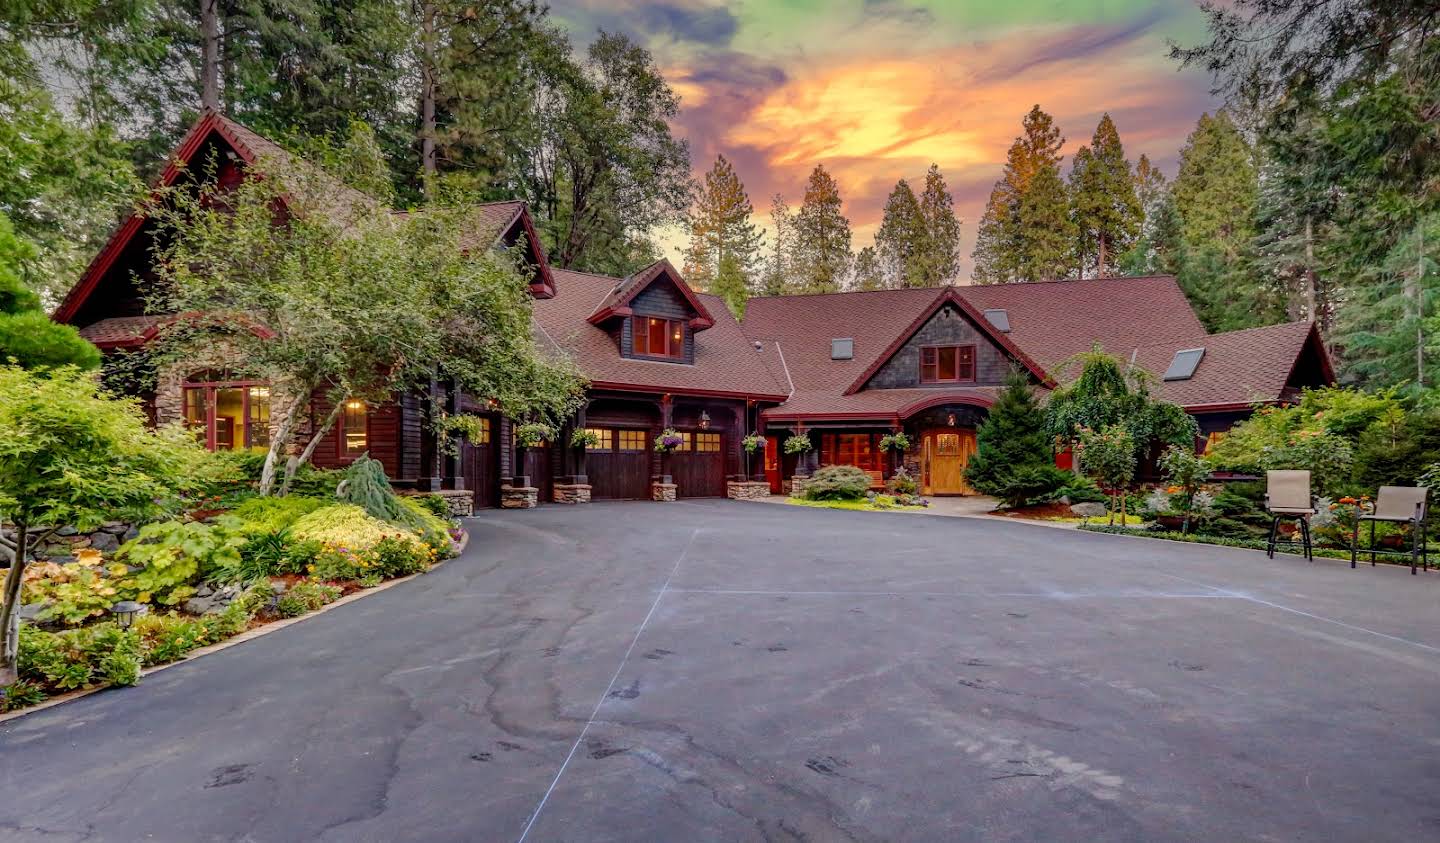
x,y
944,433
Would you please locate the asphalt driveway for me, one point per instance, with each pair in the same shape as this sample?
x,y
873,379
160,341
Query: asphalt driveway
x,y
729,671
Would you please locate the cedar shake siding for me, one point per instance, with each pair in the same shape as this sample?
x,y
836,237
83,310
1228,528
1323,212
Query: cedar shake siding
x,y
662,301
947,327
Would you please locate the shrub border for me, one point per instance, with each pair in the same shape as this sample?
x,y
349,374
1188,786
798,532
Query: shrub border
x,y
1255,545
235,640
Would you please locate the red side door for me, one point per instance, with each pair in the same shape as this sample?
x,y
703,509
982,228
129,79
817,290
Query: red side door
x,y
772,463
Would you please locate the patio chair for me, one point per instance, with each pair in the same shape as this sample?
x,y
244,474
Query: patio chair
x,y
1397,505
1287,496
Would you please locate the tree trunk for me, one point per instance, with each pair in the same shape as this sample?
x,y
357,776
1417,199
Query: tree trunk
x,y
282,438
10,612
1100,258
427,94
294,465
209,56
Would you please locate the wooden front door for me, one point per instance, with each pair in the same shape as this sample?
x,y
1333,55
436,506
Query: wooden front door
x,y
944,452
619,467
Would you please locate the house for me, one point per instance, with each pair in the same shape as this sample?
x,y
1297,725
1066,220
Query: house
x,y
843,368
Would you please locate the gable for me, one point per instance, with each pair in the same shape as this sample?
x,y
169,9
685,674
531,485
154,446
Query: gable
x,y
621,299
946,326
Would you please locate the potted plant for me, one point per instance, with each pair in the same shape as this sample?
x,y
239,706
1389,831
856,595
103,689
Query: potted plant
x,y
898,441
665,444
798,443
534,435
751,444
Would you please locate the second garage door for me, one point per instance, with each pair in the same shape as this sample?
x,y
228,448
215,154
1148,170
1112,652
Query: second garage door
x,y
619,467
698,466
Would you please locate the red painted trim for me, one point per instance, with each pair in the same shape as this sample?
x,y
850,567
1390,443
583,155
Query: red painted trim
x,y
188,146
545,289
949,295
643,280
700,393
926,403
893,418
1227,406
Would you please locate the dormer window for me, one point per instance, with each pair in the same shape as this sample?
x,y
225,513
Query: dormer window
x,y
947,363
655,337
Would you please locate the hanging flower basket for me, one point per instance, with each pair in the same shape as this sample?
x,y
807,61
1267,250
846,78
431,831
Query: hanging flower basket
x,y
583,438
668,440
753,443
798,443
534,434
895,442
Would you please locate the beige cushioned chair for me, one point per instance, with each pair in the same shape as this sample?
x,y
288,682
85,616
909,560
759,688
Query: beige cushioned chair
x,y
1397,505
1287,496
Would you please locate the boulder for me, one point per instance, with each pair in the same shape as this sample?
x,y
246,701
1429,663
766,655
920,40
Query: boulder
x,y
131,533
104,541
1088,510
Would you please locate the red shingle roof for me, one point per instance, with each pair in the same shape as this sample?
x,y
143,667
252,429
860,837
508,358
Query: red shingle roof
x,y
1238,367
726,362
618,301
121,330
1050,322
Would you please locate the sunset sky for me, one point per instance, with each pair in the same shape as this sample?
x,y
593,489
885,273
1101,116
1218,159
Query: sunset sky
x,y
878,89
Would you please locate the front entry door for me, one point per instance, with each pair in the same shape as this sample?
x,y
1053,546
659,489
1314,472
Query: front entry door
x,y
772,463
944,454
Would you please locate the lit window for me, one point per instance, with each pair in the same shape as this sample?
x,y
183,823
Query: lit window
x,y
606,437
633,440
657,337
226,415
707,442
483,434
947,363
687,441
354,432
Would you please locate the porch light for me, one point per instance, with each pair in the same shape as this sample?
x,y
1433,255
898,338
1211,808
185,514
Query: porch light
x,y
704,420
950,420
355,405
125,612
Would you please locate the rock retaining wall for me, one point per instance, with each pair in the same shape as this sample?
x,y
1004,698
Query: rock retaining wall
x,y
572,493
747,490
519,497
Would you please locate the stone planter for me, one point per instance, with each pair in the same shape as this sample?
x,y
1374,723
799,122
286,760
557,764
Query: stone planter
x,y
571,493
519,497
747,490
663,491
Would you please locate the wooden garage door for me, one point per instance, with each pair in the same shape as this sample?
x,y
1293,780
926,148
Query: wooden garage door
x,y
698,466
619,467
479,465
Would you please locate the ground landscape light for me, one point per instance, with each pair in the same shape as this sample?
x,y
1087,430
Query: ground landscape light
x,y
125,612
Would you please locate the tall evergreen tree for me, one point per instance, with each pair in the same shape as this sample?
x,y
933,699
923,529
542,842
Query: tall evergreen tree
x,y
867,272
1215,190
900,243
776,279
1001,242
720,228
1150,185
822,237
1013,455
1106,210
940,261
731,284
1047,233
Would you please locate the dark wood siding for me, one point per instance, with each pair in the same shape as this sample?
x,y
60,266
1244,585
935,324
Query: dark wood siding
x,y
382,430
947,327
479,464
619,475
699,474
663,301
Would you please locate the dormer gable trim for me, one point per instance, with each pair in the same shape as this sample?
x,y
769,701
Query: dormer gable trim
x,y
618,302
950,296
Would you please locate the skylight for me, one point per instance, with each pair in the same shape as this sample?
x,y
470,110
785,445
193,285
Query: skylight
x,y
1000,318
1182,367
842,348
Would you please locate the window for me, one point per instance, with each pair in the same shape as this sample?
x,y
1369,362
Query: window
x,y
227,415
606,437
633,440
947,363
354,430
657,337
707,443
857,449
482,436
687,441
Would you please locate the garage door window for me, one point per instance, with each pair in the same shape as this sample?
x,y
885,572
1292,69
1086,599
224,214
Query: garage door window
x,y
632,440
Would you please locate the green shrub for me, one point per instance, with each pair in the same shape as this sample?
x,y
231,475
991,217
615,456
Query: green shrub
x,y
22,694
436,505
222,479
1396,452
71,594
78,658
270,515
348,538
172,556
166,638
1030,484
306,596
299,556
838,483
1079,489
312,482
396,558
1229,504
367,487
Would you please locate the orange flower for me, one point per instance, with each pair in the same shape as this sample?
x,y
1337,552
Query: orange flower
x,y
1172,490
1348,499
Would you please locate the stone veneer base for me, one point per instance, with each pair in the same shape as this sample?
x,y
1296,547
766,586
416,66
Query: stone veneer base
x,y
662,492
747,490
519,497
572,493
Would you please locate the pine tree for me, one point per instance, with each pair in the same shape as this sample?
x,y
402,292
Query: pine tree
x,y
731,284
1149,184
777,277
822,237
1012,458
720,228
867,273
940,261
1215,190
900,242
1001,242
1106,209
1047,234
